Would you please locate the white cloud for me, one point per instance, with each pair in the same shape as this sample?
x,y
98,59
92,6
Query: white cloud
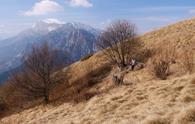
x,y
52,20
43,7
81,3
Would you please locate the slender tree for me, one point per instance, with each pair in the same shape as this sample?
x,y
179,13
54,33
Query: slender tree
x,y
37,79
118,41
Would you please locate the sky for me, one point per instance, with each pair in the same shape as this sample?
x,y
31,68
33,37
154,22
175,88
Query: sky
x,y
17,15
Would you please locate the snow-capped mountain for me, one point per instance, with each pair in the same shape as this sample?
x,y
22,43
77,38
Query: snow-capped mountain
x,y
83,26
45,27
76,39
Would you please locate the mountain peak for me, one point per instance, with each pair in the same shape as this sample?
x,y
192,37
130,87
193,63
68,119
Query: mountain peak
x,y
75,38
48,25
53,21
78,25
45,26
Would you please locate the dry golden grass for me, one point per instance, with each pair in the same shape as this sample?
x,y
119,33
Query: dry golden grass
x,y
188,60
142,98
81,77
160,62
179,35
156,120
186,116
136,101
188,93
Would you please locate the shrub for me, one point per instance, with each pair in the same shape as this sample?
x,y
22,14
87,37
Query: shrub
x,y
161,69
160,66
161,61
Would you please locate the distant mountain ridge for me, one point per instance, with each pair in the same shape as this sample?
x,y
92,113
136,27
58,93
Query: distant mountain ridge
x,y
74,39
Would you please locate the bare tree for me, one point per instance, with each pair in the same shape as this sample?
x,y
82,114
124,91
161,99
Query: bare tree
x,y
37,79
118,42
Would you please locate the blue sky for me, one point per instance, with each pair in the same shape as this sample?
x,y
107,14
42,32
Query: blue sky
x,y
17,15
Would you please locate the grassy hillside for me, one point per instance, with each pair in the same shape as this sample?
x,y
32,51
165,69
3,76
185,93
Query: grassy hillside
x,y
180,34
142,99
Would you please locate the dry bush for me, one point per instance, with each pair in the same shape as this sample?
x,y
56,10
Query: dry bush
x,y
161,68
161,62
187,60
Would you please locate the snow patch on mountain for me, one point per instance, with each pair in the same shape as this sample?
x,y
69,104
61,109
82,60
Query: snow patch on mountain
x,y
51,21
75,39
45,27
78,25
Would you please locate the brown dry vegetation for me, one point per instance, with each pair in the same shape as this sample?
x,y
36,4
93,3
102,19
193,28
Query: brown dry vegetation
x,y
187,60
141,100
161,60
119,42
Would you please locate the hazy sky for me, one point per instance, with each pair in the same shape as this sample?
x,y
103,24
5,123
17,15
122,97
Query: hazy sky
x,y
16,15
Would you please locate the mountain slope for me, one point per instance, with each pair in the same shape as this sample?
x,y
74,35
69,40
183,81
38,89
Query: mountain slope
x,y
74,39
141,102
143,99
12,49
180,34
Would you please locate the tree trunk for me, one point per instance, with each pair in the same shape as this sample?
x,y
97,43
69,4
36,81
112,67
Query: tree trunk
x,y
46,99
